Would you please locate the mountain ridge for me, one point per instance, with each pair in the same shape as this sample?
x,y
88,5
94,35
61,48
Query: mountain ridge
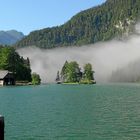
x,y
10,37
104,22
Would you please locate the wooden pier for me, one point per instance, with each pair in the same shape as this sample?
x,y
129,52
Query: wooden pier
x,y
1,127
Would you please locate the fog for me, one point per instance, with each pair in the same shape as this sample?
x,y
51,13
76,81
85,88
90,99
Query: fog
x,y
115,61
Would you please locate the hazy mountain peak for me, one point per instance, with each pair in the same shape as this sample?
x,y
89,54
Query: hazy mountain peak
x,y
10,37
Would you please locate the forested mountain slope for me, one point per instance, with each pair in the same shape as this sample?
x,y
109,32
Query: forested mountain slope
x,y
111,19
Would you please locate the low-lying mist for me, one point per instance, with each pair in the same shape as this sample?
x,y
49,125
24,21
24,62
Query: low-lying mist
x,y
116,60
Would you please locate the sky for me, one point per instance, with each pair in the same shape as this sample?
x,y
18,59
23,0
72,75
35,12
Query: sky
x,y
30,15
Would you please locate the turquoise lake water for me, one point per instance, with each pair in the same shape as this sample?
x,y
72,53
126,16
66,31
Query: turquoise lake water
x,y
71,112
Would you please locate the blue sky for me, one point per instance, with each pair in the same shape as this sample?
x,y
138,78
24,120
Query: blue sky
x,y
29,15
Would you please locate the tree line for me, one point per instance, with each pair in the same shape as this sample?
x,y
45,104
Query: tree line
x,y
10,60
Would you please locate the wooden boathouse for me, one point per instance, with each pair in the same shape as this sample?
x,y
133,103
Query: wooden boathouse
x,y
6,78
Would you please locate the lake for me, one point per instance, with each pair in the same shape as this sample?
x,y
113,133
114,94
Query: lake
x,y
71,112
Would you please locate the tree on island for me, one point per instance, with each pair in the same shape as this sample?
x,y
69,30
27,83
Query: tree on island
x,y
88,74
64,72
58,79
36,80
71,73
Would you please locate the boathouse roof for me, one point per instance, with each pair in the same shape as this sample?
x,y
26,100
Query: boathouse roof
x,y
3,73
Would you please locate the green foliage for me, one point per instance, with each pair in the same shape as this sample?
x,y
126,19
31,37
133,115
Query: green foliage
x,y
35,79
111,19
23,70
88,73
71,73
64,69
10,60
88,77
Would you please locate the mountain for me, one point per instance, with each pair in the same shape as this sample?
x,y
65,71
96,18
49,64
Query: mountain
x,y
113,18
10,37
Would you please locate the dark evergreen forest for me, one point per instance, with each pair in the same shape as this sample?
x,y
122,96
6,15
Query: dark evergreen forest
x,y
101,23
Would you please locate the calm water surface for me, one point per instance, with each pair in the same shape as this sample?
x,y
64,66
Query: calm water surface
x,y
71,112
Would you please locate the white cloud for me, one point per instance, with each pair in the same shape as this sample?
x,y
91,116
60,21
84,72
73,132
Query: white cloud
x,y
106,57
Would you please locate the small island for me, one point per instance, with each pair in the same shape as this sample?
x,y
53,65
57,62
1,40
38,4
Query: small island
x,y
71,74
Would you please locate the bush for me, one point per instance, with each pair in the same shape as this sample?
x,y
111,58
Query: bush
x,y
36,79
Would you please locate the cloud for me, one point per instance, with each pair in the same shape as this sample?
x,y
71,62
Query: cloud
x,y
107,59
